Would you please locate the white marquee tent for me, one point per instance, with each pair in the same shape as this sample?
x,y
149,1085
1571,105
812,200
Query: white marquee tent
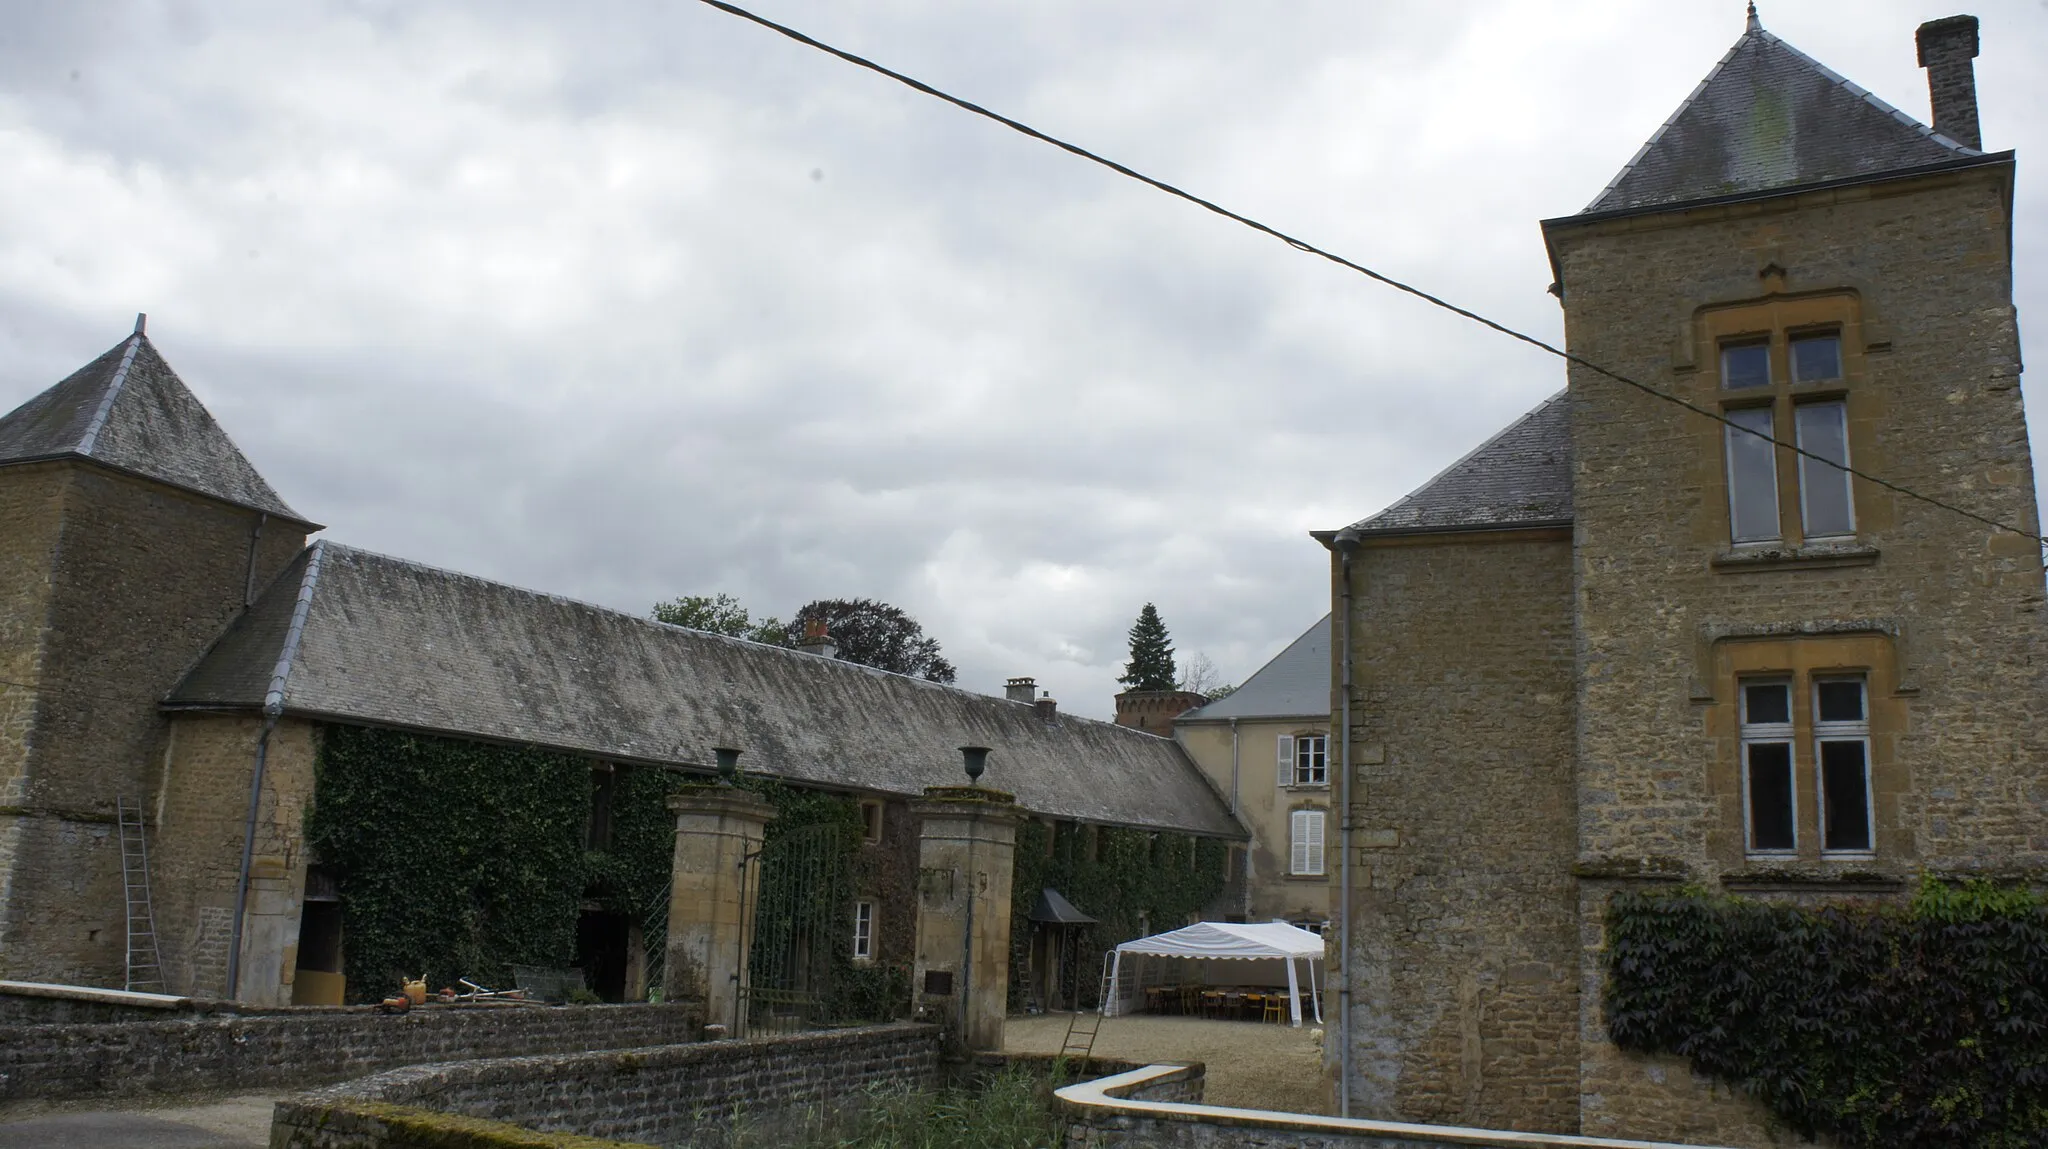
x,y
1228,941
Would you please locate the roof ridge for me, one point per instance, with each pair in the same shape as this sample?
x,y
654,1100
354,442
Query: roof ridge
x,y
1557,396
1691,98
1868,96
342,549
106,407
273,698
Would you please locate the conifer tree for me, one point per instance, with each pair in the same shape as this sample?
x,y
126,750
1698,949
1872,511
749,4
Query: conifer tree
x,y
1151,665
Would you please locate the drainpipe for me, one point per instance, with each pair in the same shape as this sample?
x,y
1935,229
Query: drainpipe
x,y
1234,807
1346,542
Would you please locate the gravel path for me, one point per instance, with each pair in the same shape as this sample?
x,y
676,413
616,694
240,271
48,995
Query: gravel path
x,y
240,1121
1250,1065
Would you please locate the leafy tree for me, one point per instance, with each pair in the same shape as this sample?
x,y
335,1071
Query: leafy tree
x,y
873,634
1151,665
721,614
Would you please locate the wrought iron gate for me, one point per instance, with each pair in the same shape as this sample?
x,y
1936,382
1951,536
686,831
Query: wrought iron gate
x,y
801,933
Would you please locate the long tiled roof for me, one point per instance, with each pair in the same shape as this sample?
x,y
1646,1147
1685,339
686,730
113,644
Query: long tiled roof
x,y
353,636
1295,684
129,410
1521,477
1770,117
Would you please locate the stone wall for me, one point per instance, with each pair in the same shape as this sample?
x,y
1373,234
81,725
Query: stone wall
x,y
1159,1107
1464,943
141,578
196,853
1943,614
295,1046
655,1095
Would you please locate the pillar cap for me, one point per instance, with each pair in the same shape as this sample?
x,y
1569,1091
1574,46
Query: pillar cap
x,y
976,794
713,798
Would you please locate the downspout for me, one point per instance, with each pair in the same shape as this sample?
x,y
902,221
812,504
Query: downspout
x,y
1244,869
1346,542
273,709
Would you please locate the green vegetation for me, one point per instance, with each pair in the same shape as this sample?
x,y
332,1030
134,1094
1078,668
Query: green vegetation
x,y
462,859
1151,664
864,631
1011,1111
1128,880
1925,1025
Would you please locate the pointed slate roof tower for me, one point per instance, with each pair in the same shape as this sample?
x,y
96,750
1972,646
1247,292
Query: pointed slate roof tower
x,y
129,411
1769,117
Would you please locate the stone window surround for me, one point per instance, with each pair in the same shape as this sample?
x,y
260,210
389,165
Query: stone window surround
x,y
1776,319
1802,656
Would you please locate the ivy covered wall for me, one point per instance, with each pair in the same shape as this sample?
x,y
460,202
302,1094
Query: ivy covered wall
x,y
1924,1025
1131,881
461,859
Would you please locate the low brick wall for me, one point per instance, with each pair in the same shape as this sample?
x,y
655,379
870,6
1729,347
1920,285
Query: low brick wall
x,y
1158,1106
657,1095
312,1044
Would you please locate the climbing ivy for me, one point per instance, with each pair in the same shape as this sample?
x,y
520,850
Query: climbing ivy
x,y
1128,880
1921,1025
461,859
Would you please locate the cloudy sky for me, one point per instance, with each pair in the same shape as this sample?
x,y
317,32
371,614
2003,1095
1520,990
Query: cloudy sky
x,y
631,300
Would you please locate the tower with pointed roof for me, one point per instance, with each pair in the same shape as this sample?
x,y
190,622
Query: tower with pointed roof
x,y
136,531
1632,641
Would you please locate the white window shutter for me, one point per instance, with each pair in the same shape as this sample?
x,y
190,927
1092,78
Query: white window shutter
x,y
1315,842
1299,832
1285,773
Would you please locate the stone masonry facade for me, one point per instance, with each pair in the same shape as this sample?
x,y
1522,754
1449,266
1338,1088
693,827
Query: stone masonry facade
x,y
1464,939
133,581
1941,612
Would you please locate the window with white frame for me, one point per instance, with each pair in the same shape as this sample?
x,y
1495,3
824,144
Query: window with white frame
x,y
863,931
1770,798
1305,832
1817,423
1841,754
1304,760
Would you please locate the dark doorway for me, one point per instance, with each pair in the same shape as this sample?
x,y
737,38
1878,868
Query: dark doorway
x,y
602,949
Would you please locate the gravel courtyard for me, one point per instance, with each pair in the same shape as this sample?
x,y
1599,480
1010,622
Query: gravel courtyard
x,y
1250,1065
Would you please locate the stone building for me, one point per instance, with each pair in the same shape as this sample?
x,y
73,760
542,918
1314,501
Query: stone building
x,y
1266,747
1623,642
171,643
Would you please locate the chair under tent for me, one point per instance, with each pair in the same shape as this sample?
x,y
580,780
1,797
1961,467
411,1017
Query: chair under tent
x,y
1179,960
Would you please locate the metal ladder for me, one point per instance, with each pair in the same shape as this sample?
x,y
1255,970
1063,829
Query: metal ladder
x,y
145,963
1079,1045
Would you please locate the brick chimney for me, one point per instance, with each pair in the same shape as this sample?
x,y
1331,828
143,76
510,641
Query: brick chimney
x,y
1153,711
1947,46
1024,689
817,640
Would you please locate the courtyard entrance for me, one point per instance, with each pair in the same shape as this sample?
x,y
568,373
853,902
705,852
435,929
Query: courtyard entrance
x,y
799,943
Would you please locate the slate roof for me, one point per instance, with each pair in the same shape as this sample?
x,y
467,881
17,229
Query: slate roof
x,y
128,410
1295,684
1769,117
348,635
1521,477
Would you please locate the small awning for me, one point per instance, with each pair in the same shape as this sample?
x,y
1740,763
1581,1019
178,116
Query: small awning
x,y
1052,909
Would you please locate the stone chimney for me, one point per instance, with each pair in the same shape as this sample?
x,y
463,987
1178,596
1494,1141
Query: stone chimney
x,y
817,640
1023,689
1048,709
1947,46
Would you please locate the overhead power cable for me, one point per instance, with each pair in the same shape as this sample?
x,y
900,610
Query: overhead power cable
x,y
1378,277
